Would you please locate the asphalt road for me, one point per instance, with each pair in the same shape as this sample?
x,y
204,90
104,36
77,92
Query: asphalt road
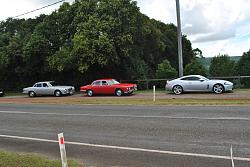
x,y
148,136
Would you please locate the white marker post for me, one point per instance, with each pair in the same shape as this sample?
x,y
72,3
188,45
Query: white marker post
x,y
232,159
62,150
154,93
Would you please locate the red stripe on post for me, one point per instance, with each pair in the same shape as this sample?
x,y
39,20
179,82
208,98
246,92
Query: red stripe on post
x,y
61,140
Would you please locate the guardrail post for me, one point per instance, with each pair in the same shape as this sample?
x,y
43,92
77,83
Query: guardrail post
x,y
154,93
62,150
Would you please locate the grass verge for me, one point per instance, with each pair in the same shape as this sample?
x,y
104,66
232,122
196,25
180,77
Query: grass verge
x,y
138,101
8,159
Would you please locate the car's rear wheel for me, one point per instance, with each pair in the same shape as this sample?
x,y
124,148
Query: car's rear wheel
x,y
90,93
58,93
32,94
177,89
118,92
218,88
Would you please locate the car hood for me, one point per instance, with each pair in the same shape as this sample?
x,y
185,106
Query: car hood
x,y
220,81
27,88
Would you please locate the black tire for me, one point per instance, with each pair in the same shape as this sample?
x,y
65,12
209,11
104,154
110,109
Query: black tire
x,y
177,89
118,92
32,94
58,93
90,93
218,88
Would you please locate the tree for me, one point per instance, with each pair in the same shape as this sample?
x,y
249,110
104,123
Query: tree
x,y
198,53
243,68
87,40
221,65
195,68
165,70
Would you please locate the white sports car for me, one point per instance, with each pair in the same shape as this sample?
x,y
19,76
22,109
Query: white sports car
x,y
195,83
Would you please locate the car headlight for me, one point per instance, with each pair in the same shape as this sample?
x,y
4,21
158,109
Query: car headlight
x,y
227,83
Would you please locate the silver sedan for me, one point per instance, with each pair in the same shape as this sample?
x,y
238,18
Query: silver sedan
x,y
48,88
198,83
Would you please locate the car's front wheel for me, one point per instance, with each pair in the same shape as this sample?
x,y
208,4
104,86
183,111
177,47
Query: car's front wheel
x,y
118,92
177,89
58,93
32,94
218,88
90,93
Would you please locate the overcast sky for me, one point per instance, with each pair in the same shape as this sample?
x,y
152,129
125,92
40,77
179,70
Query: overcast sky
x,y
214,26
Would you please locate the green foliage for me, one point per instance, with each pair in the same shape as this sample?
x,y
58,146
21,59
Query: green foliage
x,y
195,68
165,70
221,65
243,68
87,40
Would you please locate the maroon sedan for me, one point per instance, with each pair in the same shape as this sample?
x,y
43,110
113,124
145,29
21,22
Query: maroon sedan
x,y
108,86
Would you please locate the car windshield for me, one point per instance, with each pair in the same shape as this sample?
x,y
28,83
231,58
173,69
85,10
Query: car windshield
x,y
113,81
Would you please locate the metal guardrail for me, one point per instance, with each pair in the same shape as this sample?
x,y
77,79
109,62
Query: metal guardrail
x,y
148,83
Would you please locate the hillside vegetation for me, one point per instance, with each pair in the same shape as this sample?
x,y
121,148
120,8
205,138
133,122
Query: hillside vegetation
x,y
84,41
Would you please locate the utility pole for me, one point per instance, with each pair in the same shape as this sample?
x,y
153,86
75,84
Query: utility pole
x,y
179,38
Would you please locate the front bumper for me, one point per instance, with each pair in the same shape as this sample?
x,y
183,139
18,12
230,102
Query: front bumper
x,y
70,91
228,88
130,90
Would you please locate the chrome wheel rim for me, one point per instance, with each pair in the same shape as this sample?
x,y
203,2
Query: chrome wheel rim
x,y
32,94
118,92
90,93
218,89
58,93
177,90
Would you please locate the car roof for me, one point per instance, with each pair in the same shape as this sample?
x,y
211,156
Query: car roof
x,y
104,79
192,76
44,82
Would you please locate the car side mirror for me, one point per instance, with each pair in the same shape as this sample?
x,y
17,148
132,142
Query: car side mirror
x,y
202,80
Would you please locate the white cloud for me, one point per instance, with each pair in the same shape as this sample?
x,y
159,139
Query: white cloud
x,y
214,26
159,9
12,8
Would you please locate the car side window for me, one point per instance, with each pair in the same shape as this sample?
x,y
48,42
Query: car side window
x,y
45,85
191,79
104,83
38,85
97,83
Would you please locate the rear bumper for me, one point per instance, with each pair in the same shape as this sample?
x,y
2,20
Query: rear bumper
x,y
168,87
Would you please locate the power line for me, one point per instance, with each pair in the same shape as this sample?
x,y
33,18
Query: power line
x,y
37,9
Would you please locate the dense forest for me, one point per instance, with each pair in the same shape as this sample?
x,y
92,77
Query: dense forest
x,y
86,40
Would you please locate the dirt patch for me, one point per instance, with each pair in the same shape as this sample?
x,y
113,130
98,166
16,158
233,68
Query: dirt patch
x,y
166,98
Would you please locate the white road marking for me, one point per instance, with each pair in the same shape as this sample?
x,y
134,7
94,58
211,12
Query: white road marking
x,y
131,148
129,116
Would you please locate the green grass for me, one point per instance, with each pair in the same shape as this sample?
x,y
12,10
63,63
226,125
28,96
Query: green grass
x,y
13,94
8,159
